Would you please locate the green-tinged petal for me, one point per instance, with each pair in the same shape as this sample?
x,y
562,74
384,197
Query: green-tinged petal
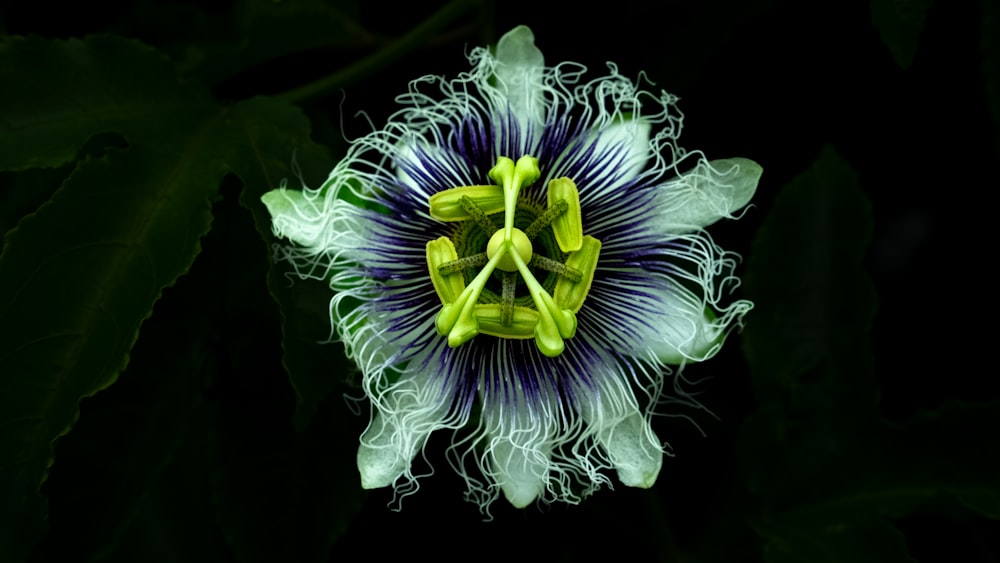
x,y
634,450
409,412
450,205
519,70
293,215
319,221
316,222
612,414
709,192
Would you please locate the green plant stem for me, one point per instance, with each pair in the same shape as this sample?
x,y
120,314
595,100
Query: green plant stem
x,y
380,58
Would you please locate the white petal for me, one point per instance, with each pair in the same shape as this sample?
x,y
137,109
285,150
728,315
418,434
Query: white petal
x,y
379,463
521,470
628,138
423,171
520,449
406,158
634,450
623,431
406,415
688,332
519,70
709,192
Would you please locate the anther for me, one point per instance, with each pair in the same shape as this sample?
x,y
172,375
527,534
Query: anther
x,y
477,215
556,267
460,264
545,219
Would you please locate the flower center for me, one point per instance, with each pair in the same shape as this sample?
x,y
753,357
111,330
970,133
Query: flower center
x,y
488,302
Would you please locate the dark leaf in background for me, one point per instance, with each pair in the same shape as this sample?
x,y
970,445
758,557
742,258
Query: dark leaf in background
x,y
899,23
827,468
80,275
68,91
24,192
174,521
814,304
878,542
77,278
305,458
834,500
990,43
126,436
279,494
266,30
297,458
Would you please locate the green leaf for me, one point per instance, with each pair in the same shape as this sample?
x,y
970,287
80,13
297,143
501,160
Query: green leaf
x,y
76,280
305,486
80,275
875,543
174,521
127,435
937,454
839,502
807,337
899,23
68,91
267,30
941,452
24,192
829,471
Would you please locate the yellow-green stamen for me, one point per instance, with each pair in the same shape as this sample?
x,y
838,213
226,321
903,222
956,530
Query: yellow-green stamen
x,y
448,205
569,292
568,227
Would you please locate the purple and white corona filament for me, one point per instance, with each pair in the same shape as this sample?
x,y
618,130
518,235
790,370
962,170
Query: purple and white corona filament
x,y
522,248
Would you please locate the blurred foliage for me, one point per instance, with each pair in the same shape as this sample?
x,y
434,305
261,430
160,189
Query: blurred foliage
x,y
167,393
989,34
899,23
842,469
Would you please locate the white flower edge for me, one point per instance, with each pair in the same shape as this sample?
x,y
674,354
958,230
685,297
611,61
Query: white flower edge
x,y
519,71
407,413
711,191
